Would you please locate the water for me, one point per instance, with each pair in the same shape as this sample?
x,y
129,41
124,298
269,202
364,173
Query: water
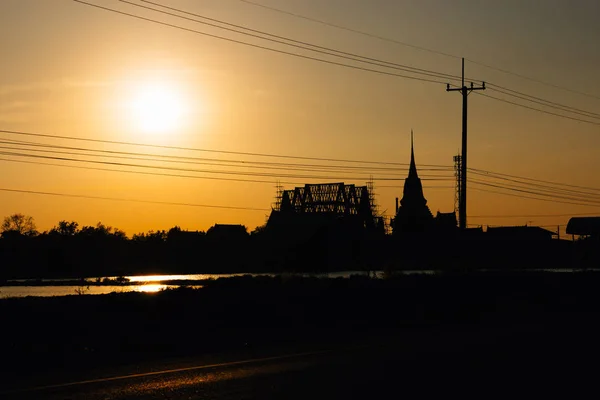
x,y
144,283
156,283
49,291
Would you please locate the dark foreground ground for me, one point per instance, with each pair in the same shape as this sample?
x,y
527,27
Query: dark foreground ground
x,y
517,334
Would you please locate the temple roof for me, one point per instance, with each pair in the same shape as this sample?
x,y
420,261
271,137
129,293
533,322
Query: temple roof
x,y
413,189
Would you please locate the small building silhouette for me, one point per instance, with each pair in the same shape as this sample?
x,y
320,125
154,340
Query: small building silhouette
x,y
584,226
519,233
446,222
227,232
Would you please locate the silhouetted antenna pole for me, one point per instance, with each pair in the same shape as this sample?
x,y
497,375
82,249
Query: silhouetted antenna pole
x,y
458,176
462,207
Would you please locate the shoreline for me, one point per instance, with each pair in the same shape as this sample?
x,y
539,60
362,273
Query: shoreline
x,y
374,274
377,274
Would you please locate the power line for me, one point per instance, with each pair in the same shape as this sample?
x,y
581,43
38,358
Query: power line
x,y
481,171
185,162
363,33
307,57
533,79
317,48
349,29
259,181
257,46
545,103
261,174
539,110
130,200
273,182
527,197
533,215
222,163
270,182
534,180
424,187
538,193
542,187
285,156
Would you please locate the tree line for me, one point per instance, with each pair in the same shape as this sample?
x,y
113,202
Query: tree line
x,y
69,250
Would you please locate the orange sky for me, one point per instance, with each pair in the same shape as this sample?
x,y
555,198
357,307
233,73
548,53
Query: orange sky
x,y
74,70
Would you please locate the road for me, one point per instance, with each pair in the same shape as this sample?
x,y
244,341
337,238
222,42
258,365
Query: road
x,y
452,364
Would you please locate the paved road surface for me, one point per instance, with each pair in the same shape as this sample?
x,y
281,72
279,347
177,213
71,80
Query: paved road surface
x,y
450,365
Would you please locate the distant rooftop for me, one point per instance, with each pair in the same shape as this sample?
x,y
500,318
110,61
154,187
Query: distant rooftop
x,y
523,231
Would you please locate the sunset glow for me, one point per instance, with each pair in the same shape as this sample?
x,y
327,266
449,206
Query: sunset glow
x,y
158,109
136,81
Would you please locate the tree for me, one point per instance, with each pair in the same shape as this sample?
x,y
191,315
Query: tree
x,y
19,224
152,236
102,231
65,228
259,230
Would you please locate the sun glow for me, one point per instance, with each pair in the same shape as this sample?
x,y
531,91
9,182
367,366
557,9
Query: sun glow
x,y
152,288
158,109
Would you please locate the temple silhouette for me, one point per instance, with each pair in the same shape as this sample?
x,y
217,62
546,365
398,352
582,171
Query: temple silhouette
x,y
413,215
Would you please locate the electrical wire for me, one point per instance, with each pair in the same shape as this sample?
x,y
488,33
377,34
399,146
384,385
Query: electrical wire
x,y
349,29
482,172
542,187
312,58
261,174
552,200
382,38
534,215
505,71
537,109
233,164
532,179
574,197
272,182
545,103
11,132
537,192
257,46
130,200
302,44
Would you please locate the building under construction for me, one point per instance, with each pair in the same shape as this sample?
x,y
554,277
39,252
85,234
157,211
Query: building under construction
x,y
327,204
323,227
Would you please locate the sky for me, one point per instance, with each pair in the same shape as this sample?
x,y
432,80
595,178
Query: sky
x,y
73,70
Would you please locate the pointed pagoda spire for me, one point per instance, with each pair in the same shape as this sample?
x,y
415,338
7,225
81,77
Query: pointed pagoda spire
x,y
412,172
413,190
413,214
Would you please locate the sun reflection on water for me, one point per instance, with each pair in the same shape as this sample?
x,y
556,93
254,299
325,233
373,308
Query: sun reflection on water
x,y
153,288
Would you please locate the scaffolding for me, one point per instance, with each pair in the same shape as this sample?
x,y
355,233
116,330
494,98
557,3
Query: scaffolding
x,y
278,195
333,199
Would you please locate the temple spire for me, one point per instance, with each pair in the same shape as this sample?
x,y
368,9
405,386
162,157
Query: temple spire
x,y
413,214
413,167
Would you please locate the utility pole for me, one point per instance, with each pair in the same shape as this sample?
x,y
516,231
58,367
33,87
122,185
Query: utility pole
x,y
462,207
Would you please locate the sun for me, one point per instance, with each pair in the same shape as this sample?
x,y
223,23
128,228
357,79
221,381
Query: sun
x,y
158,109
